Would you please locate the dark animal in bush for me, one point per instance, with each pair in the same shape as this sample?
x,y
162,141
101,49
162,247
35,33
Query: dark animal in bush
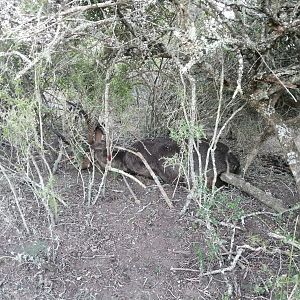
x,y
156,152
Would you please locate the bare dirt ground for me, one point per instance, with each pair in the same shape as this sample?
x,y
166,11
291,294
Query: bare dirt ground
x,y
117,249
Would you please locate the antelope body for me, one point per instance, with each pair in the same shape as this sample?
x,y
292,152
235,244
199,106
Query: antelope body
x,y
157,150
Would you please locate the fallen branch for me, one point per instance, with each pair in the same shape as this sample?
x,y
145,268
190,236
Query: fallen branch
x,y
240,250
267,199
227,269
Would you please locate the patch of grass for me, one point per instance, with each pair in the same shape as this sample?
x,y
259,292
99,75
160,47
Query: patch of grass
x,y
200,256
218,204
35,252
157,270
280,287
184,130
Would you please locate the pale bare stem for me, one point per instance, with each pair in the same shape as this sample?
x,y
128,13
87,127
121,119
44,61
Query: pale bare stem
x,y
12,188
232,266
83,185
183,101
107,104
186,204
212,146
41,196
59,157
228,120
107,136
240,76
200,196
294,290
193,103
229,286
125,174
275,75
38,98
50,177
70,159
91,181
231,243
227,269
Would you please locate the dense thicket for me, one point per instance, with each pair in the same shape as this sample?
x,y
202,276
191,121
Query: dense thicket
x,y
149,67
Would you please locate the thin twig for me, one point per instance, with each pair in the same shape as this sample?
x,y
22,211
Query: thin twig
x,y
136,200
12,188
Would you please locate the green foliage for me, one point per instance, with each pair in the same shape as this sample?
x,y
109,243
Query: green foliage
x,y
211,252
256,240
84,78
33,6
200,256
36,249
230,207
158,270
49,196
95,14
121,88
282,287
19,123
34,253
218,202
184,130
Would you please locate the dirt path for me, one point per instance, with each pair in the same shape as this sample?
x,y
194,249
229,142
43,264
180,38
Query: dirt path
x,y
117,249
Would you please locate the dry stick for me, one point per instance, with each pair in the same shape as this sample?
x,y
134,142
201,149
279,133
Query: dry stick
x,y
12,188
123,173
233,264
70,159
136,200
127,175
193,104
240,264
228,120
239,252
277,77
276,204
162,191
